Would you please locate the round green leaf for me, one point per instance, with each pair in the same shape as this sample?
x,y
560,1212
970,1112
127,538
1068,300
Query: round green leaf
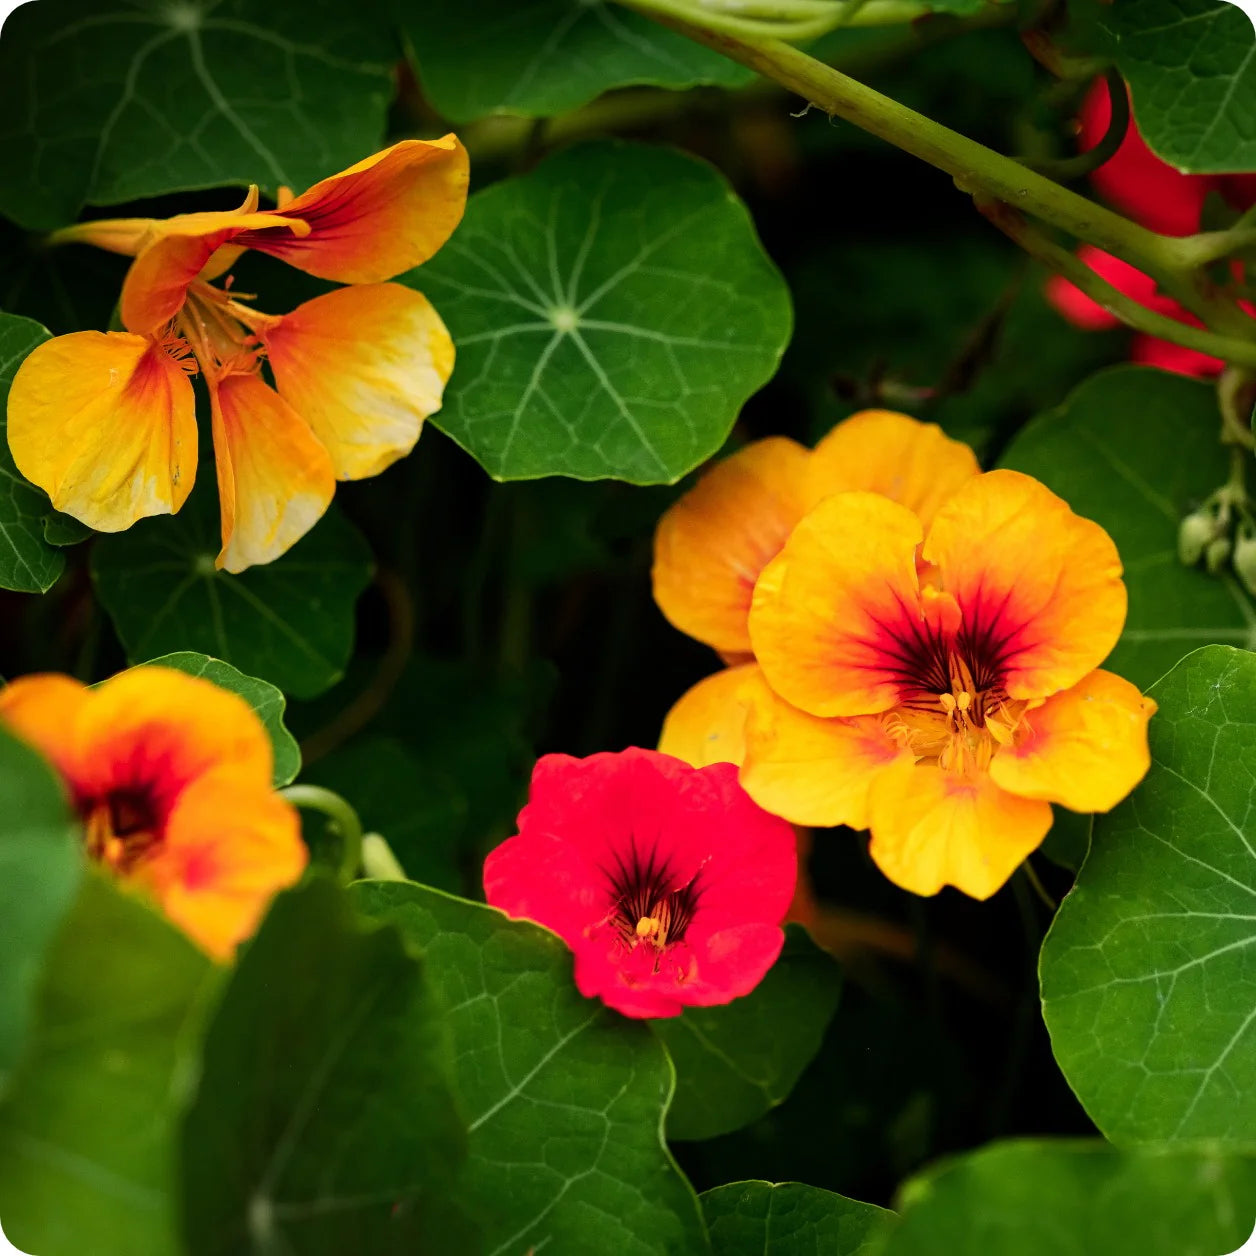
x,y
612,311
548,56
1130,449
323,1122
565,1098
1149,970
28,562
41,861
290,622
789,1219
1062,1198
87,1134
104,101
267,702
736,1062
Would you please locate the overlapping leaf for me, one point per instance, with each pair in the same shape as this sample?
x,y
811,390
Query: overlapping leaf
x,y
612,311
28,563
1149,971
789,1219
736,1062
565,1098
1130,449
105,102
289,622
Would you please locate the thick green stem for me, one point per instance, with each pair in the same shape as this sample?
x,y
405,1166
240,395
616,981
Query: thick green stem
x,y
343,820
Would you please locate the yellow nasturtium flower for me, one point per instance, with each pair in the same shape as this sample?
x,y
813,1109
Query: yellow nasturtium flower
x,y
104,422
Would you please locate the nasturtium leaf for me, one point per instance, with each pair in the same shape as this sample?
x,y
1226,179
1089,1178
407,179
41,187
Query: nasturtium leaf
x,y
565,1098
28,563
1128,449
324,1122
1069,838
418,809
1191,68
1149,970
789,1219
104,101
267,702
612,310
63,530
290,622
41,861
1074,1198
736,1062
542,57
87,1134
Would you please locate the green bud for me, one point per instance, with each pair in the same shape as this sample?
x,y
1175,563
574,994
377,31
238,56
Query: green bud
x,y
1194,534
1245,559
1217,554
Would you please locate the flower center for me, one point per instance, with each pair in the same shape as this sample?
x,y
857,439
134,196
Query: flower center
x,y
221,330
647,905
122,828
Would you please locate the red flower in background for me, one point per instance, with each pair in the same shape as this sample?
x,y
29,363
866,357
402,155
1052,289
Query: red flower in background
x,y
1162,199
668,883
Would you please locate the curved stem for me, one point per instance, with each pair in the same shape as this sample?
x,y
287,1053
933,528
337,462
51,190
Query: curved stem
x,y
343,821
1078,167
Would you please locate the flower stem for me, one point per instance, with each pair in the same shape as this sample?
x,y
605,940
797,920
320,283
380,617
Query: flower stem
x,y
342,820
378,861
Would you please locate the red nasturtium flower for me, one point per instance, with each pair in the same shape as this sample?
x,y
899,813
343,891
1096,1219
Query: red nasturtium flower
x,y
668,883
105,422
1162,199
939,686
712,544
172,778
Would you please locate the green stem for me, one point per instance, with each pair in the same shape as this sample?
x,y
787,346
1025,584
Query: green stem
x,y
1071,168
342,818
378,861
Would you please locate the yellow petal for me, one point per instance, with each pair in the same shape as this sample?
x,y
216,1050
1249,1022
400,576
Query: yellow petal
x,y
878,451
931,828
811,770
1085,748
363,366
105,424
275,479
707,725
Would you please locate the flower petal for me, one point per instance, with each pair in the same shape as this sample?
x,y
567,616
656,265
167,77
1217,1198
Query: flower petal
x,y
105,424
1039,587
708,724
811,770
364,367
1085,747
43,710
878,451
275,480
932,828
711,545
229,846
382,216
830,614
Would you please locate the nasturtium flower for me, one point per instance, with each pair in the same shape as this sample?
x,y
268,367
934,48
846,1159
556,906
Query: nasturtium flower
x,y
171,777
105,422
940,687
668,883
711,545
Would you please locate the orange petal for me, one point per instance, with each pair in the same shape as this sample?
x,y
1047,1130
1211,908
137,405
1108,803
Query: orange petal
x,y
229,846
711,545
364,367
105,424
43,710
830,613
157,283
707,725
1085,747
811,770
915,464
275,479
386,214
932,828
1039,587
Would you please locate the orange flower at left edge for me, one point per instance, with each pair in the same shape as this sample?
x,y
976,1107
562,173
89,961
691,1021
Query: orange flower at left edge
x,y
105,422
172,779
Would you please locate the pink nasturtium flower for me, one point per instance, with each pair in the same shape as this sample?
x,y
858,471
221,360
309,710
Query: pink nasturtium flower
x,y
668,883
1162,199
105,422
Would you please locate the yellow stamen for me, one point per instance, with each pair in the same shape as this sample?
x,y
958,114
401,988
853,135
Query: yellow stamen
x,y
647,926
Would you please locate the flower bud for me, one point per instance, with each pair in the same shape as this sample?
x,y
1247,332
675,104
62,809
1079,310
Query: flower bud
x,y
1194,534
1216,555
1245,559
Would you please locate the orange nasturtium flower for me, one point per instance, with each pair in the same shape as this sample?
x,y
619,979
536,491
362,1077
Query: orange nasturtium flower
x,y
105,422
172,778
